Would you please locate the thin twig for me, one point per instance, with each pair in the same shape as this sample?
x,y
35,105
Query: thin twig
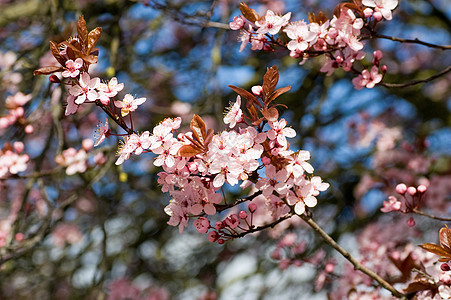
x,y
419,212
357,266
414,82
412,41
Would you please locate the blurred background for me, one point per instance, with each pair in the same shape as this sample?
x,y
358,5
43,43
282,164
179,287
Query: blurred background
x,y
110,239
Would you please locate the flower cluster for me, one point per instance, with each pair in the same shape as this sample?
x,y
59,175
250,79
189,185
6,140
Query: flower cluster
x,y
196,166
11,159
410,200
16,112
339,38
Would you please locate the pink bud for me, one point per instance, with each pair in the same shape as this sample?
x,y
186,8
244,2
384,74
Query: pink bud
x,y
220,241
237,23
367,12
377,16
18,146
29,129
257,90
266,160
19,237
422,188
329,268
377,55
401,188
411,222
384,69
87,144
252,207
242,214
411,190
19,111
445,267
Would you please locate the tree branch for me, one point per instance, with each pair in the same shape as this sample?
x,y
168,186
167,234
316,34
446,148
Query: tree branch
x,y
414,82
419,212
357,266
412,41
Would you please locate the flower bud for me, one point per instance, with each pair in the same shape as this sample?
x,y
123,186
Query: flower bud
x,y
220,241
242,214
422,188
384,69
29,129
411,222
213,236
367,12
257,90
377,16
411,190
401,188
252,207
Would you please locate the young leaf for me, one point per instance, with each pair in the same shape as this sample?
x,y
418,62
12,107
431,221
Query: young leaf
x,y
270,114
270,81
56,53
47,70
444,237
188,151
93,38
198,127
420,285
277,93
82,33
246,95
438,250
249,13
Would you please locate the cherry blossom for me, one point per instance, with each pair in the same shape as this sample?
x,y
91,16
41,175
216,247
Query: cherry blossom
x,y
72,68
129,104
367,79
235,115
280,132
102,132
272,23
109,90
300,36
86,89
383,6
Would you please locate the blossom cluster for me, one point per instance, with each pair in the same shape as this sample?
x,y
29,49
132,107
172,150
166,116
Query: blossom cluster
x,y
339,38
11,159
16,112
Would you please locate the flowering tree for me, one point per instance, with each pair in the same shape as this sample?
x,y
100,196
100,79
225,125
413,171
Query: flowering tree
x,y
314,164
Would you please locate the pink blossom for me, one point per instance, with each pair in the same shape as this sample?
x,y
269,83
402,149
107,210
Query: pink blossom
x,y
102,132
237,23
272,23
129,104
391,205
109,90
235,115
280,132
72,68
383,6
74,161
300,36
71,107
202,224
85,90
367,79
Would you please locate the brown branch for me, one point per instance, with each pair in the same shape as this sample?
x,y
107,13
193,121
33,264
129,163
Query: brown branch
x,y
223,207
357,265
260,228
419,212
414,82
412,41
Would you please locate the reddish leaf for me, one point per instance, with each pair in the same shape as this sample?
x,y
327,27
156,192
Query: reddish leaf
x,y
420,285
246,95
209,137
253,112
56,53
270,114
249,13
93,38
277,93
82,32
92,59
269,82
436,249
198,127
321,18
444,237
47,70
188,151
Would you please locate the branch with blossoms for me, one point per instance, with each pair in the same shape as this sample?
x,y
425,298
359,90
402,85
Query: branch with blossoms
x,y
339,39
